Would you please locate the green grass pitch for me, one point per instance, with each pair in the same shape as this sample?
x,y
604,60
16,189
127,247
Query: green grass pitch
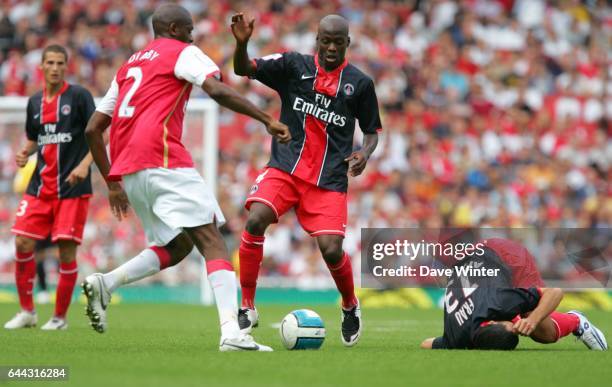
x,y
168,345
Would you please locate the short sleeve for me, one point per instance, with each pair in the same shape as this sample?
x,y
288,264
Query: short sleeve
x,y
367,114
439,343
31,132
272,70
514,301
87,106
194,66
107,105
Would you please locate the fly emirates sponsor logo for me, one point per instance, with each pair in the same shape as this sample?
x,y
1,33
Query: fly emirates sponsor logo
x,y
50,137
319,110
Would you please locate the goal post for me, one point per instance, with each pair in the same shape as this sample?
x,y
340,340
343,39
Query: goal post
x,y
209,166
201,137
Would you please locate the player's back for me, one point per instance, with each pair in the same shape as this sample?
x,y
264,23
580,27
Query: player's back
x,y
474,299
522,264
146,127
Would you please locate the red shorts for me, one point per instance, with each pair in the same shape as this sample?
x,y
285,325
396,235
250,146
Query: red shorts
x,y
319,211
522,264
63,218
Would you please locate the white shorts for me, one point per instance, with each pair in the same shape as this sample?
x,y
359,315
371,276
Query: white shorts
x,y
166,200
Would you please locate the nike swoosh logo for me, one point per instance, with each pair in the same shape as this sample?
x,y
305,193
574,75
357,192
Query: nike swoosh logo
x,y
255,347
307,76
36,116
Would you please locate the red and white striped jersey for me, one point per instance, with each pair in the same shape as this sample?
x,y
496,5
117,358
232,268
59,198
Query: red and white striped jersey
x,y
147,101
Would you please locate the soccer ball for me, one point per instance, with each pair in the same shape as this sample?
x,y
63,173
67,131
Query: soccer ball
x,y
302,329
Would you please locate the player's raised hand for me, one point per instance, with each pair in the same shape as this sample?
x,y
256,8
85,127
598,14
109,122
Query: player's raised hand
x,y
280,131
118,200
241,28
357,162
525,326
77,175
21,158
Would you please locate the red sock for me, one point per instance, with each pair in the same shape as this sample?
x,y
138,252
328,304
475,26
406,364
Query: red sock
x,y
214,265
68,273
251,255
163,255
565,323
25,271
343,276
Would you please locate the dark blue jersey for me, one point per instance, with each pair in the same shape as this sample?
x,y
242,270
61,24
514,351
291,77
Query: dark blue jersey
x,y
471,300
320,108
58,127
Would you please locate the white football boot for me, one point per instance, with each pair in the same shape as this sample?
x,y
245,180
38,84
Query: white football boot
x,y
98,299
589,334
22,319
55,324
243,342
247,319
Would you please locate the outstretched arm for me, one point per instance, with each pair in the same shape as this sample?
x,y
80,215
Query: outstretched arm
x,y
427,343
242,31
94,132
434,343
231,99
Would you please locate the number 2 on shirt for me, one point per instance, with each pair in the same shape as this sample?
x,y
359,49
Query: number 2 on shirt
x,y
125,110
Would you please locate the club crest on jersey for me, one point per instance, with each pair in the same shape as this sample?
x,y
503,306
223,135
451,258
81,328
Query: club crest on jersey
x,y
66,110
348,89
253,189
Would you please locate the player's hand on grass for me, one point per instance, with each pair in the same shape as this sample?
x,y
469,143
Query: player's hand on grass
x,y
280,131
77,175
357,162
241,28
21,158
118,200
525,326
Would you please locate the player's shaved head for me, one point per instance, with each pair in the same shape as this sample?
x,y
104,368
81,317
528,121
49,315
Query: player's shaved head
x,y
334,24
167,18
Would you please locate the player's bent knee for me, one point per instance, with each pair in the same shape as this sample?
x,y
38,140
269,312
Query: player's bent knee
x,y
332,256
179,248
208,240
258,221
546,332
24,244
67,251
543,339
331,247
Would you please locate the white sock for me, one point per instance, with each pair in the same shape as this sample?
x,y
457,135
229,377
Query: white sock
x,y
223,283
143,265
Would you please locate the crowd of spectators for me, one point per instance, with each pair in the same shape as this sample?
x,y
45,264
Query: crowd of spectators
x,y
495,112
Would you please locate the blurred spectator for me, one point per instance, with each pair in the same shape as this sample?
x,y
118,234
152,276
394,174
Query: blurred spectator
x,y
496,112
